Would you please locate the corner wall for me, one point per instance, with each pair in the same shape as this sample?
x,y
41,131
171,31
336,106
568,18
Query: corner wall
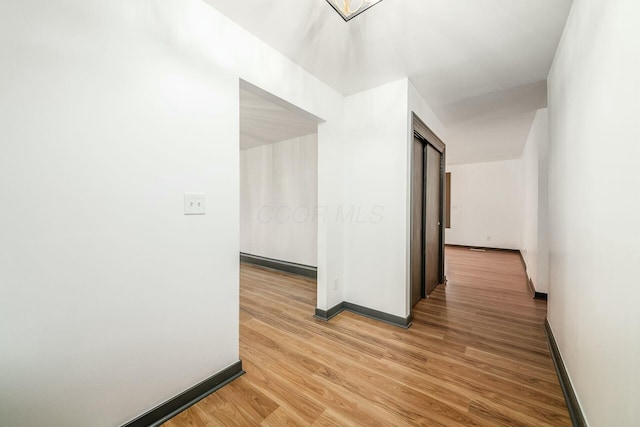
x,y
112,300
278,200
111,111
486,205
373,212
594,207
535,246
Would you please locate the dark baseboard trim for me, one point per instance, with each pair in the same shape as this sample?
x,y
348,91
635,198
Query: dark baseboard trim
x,y
187,398
287,267
402,322
536,294
486,248
575,412
331,313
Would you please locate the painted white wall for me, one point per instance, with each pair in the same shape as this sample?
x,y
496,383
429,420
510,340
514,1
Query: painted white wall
x,y
330,200
374,207
486,204
375,210
594,207
112,300
542,125
529,249
203,33
535,249
278,200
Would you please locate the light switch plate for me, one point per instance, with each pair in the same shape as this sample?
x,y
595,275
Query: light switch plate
x,y
194,204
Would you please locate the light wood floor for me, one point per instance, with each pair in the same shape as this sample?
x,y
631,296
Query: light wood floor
x,y
475,355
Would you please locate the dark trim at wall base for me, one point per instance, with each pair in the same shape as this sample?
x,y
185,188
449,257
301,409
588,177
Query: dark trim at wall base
x,y
486,248
187,398
532,288
287,267
402,322
536,295
575,412
331,313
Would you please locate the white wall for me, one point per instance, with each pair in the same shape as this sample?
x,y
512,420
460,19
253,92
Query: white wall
x,y
112,300
375,210
111,297
374,198
278,200
204,34
486,204
535,249
594,207
529,248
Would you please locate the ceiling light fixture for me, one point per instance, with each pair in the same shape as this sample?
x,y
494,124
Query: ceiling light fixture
x,y
349,9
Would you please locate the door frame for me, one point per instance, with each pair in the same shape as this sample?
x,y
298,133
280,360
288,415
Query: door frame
x,y
421,131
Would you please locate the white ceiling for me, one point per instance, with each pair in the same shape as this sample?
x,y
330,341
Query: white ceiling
x,y
491,127
263,122
454,52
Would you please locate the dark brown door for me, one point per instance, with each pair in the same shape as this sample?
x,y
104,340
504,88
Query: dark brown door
x,y
417,219
432,220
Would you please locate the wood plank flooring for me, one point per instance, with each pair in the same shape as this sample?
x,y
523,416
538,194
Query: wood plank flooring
x,y
476,355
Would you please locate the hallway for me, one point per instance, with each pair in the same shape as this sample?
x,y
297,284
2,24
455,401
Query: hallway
x,y
475,355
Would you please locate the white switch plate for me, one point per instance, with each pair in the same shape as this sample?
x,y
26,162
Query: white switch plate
x,y
194,204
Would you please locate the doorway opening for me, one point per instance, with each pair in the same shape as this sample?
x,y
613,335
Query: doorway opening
x,y
428,201
278,183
